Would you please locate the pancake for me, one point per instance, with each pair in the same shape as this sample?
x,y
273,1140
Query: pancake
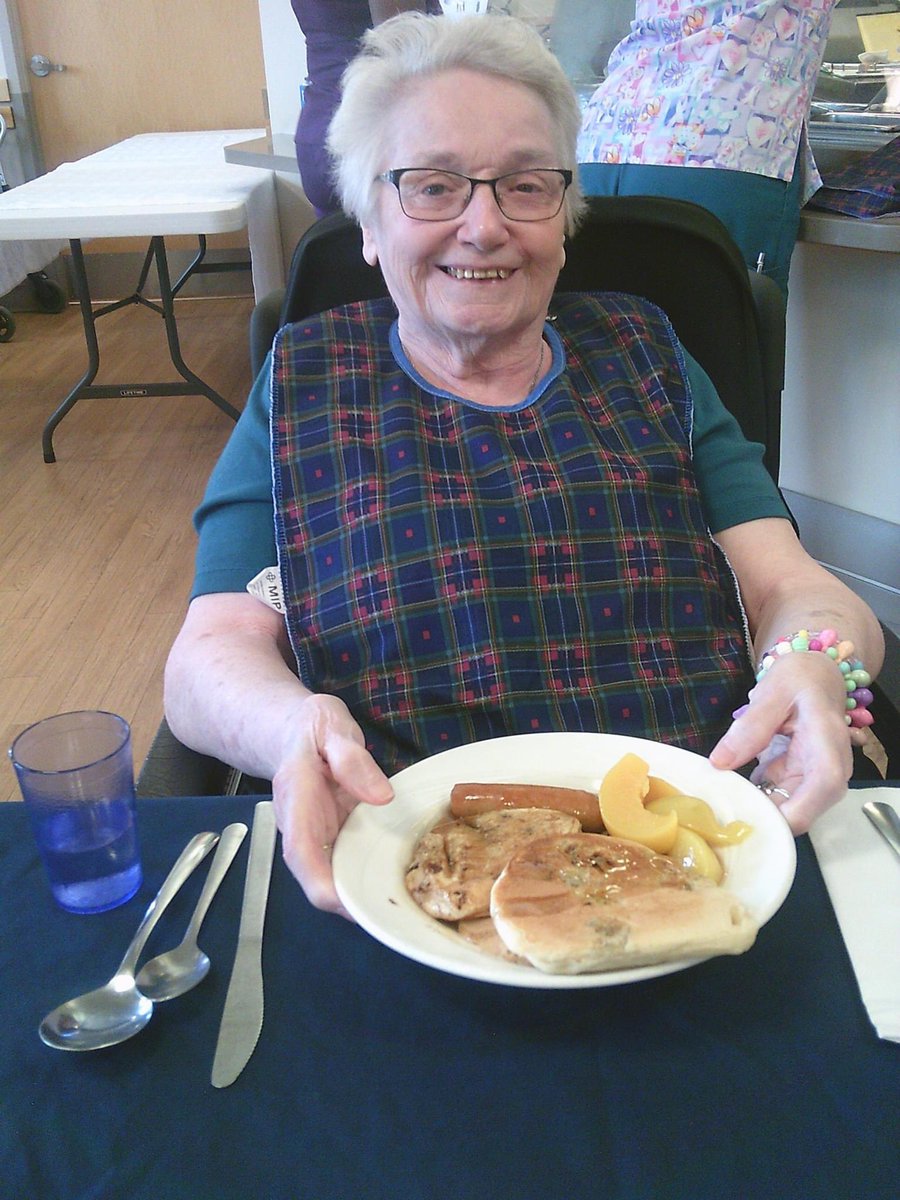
x,y
454,864
588,902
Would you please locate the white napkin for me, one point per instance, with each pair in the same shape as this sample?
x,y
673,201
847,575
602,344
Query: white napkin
x,y
862,874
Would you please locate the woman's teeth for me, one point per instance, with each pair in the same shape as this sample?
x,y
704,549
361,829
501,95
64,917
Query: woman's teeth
x,y
473,273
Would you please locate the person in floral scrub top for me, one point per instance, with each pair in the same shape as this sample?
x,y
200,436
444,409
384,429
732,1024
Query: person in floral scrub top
x,y
722,89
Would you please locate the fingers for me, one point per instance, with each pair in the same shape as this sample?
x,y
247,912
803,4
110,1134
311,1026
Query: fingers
x,y
327,774
803,790
803,774
310,862
353,769
749,737
795,728
309,822
335,747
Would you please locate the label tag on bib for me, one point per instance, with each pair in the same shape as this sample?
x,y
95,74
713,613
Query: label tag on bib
x,y
267,587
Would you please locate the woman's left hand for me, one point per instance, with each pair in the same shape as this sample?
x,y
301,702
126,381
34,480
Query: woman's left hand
x,y
794,725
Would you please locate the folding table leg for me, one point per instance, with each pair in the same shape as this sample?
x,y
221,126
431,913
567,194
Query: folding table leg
x,y
93,349
85,388
167,299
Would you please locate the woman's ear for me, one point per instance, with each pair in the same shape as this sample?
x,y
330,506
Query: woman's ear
x,y
369,249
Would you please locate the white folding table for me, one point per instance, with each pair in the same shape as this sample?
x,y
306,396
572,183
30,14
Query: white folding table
x,y
152,186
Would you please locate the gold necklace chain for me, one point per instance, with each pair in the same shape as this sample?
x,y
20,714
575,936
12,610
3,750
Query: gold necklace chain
x,y
537,373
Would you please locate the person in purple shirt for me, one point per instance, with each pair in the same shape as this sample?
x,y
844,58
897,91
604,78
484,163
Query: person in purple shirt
x,y
332,29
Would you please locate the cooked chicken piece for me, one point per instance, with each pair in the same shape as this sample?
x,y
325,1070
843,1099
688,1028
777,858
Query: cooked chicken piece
x,y
455,864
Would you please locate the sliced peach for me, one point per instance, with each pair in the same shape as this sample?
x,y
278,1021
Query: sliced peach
x,y
693,853
659,787
693,813
622,807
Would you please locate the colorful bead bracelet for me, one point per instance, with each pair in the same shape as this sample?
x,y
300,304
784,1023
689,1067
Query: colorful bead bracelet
x,y
856,677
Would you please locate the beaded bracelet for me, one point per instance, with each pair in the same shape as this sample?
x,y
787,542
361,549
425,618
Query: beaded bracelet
x,y
856,677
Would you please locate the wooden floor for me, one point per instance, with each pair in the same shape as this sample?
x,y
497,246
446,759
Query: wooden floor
x,y
96,550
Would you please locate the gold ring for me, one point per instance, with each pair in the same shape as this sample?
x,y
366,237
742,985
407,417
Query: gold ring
x,y
326,846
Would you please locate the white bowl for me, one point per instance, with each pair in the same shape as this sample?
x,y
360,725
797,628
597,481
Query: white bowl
x,y
375,846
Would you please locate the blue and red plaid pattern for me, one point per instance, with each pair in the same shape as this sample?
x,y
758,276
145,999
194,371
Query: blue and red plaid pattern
x,y
865,187
456,573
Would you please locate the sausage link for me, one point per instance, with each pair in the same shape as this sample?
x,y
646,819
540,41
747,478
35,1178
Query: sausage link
x,y
470,799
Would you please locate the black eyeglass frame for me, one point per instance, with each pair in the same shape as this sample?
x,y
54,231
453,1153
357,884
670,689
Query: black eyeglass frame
x,y
396,173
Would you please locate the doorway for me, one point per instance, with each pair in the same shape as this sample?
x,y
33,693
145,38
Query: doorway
x,y
133,67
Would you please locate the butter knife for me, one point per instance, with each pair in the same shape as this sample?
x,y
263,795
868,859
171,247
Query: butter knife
x,y
242,1017
886,821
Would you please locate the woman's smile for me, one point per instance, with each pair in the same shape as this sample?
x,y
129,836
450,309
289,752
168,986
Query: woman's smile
x,y
478,272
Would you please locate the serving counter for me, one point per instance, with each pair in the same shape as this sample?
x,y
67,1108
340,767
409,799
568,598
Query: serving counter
x,y
878,234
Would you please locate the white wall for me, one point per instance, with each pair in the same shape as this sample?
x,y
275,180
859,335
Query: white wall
x,y
841,407
7,52
18,156
840,423
284,51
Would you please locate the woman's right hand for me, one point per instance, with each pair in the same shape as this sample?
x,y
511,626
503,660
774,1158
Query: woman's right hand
x,y
324,773
231,693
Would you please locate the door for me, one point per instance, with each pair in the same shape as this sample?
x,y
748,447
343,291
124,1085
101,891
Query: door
x,y
140,66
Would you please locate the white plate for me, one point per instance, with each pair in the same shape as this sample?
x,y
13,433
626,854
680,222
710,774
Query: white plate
x,y
375,845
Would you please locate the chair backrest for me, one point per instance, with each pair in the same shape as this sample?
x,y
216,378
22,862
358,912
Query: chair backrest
x,y
674,253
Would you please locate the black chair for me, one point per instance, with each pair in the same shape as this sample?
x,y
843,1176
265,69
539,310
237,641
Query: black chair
x,y
675,254
171,769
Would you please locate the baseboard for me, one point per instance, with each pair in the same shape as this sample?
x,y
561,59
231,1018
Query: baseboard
x,y
862,551
25,298
113,276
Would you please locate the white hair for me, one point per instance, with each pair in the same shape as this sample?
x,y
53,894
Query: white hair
x,y
413,46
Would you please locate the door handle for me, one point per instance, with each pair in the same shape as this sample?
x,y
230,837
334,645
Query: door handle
x,y
40,65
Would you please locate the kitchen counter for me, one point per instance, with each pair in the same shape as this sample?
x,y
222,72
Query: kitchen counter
x,y
835,146
855,233
274,152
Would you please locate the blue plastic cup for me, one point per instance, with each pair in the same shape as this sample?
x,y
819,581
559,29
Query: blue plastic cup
x,y
77,779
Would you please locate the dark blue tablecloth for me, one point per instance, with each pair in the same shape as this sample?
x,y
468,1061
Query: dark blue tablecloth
x,y
757,1078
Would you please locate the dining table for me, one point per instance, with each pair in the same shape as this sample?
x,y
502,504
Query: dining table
x,y
376,1077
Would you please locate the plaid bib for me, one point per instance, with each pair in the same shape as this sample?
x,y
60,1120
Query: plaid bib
x,y
456,573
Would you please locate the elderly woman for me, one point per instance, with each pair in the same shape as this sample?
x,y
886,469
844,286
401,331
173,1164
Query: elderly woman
x,y
489,519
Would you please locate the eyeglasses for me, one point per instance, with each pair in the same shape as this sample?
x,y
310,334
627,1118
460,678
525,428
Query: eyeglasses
x,y
428,194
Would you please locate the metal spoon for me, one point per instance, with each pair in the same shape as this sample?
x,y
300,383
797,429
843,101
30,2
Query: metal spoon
x,y
117,1011
177,971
